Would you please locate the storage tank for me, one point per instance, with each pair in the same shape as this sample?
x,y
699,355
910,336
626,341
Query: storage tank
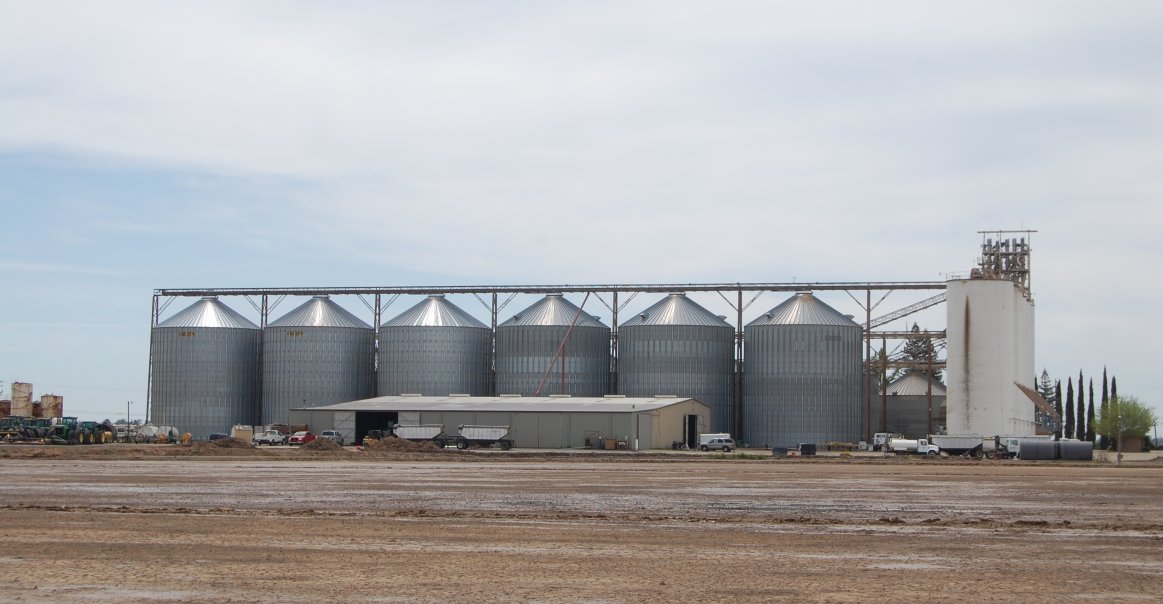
x,y
527,343
435,349
53,405
317,354
908,411
990,357
801,382
1077,450
205,371
678,347
22,399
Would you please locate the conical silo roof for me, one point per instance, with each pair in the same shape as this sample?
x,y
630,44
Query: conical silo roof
x,y
553,309
914,383
434,311
803,309
208,312
676,309
319,311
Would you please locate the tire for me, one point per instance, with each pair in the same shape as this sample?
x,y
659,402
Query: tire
x,y
506,445
72,437
704,448
462,444
726,449
931,454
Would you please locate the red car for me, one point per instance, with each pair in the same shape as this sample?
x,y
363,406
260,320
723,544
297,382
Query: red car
x,y
301,438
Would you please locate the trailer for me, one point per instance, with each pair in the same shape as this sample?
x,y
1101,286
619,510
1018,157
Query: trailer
x,y
966,445
420,433
479,436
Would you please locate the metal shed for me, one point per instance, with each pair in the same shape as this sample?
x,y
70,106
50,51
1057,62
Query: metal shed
x,y
535,422
914,405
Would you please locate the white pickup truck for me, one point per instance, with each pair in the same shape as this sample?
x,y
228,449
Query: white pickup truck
x,y
269,437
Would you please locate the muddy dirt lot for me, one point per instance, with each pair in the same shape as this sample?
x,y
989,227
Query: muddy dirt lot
x,y
135,526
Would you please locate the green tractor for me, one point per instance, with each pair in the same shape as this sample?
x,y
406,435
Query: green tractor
x,y
11,427
36,428
94,433
64,432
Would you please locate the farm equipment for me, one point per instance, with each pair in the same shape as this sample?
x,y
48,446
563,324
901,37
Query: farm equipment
x,y
467,435
420,433
479,436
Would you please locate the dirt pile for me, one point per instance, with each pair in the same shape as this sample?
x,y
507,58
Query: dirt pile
x,y
400,444
322,444
222,446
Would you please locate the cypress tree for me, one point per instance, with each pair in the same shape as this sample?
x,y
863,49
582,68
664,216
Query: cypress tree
x,y
1114,410
1090,413
1080,425
1104,439
1068,428
1058,407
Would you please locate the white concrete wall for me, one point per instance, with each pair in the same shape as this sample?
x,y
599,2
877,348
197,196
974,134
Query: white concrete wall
x,y
990,347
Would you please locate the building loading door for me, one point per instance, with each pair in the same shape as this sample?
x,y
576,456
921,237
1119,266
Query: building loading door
x,y
345,425
691,431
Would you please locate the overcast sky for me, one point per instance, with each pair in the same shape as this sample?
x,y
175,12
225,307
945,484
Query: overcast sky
x,y
224,144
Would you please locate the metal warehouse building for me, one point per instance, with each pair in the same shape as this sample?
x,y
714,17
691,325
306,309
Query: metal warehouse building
x,y
535,422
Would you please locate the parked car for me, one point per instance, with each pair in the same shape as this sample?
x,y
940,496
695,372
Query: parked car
x,y
301,438
718,444
334,435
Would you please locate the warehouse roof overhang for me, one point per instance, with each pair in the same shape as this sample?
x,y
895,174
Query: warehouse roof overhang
x,y
509,403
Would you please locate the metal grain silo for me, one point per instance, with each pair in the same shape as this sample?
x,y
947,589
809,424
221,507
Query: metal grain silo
x,y
678,347
205,372
801,382
915,405
528,342
317,354
436,349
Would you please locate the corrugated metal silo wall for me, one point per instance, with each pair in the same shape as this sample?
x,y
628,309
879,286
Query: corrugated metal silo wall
x,y
696,361
802,384
314,366
525,352
909,414
205,379
434,361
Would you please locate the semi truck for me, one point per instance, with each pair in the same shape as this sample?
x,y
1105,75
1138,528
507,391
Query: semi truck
x,y
968,445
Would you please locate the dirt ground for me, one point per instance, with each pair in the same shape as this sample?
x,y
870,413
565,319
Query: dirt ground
x,y
137,523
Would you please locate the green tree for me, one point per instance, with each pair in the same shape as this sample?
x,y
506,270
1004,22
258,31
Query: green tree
x,y
1105,401
1090,413
1126,417
1046,386
919,348
1068,427
1080,414
1058,406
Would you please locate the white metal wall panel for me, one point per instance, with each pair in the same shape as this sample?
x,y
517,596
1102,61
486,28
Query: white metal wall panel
x,y
345,425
